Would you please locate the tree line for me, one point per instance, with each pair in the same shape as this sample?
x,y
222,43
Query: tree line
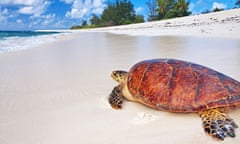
x,y
119,13
122,12
164,9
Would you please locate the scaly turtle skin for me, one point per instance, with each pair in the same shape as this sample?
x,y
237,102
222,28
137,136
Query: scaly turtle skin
x,y
179,86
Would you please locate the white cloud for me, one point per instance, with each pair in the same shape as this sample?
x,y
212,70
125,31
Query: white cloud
x,y
36,9
3,15
5,11
19,21
139,10
28,7
50,16
34,23
218,5
2,18
48,19
26,10
60,24
84,8
67,1
20,2
43,21
97,3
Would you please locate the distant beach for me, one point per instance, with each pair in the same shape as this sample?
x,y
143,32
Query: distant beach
x,y
223,24
57,92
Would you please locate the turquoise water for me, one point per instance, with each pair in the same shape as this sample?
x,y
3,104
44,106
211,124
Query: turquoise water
x,y
21,40
7,34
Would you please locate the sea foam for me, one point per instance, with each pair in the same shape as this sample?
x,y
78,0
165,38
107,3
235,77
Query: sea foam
x,y
17,43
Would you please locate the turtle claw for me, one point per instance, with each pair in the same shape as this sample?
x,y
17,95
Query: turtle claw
x,y
231,134
234,124
229,127
220,135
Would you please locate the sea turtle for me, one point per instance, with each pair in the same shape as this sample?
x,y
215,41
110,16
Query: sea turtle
x,y
181,87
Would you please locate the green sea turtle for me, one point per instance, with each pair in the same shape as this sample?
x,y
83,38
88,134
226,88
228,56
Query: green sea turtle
x,y
181,87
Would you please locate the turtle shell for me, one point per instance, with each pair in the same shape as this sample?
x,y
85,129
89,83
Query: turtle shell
x,y
179,86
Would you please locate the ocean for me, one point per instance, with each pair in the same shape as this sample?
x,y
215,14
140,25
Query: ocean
x,y
21,40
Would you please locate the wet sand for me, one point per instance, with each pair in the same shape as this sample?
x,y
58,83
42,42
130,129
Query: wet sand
x,y
57,93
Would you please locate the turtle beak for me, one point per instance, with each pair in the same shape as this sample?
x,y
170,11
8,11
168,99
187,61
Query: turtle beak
x,y
115,76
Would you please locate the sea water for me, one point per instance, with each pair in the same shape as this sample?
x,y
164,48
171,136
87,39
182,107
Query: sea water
x,y
21,40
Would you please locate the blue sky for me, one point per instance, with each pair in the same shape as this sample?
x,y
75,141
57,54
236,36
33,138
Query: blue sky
x,y
62,14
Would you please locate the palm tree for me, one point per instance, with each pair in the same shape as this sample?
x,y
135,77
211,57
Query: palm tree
x,y
164,6
181,7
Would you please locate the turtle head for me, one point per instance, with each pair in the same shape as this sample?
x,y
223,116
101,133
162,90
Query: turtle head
x,y
119,76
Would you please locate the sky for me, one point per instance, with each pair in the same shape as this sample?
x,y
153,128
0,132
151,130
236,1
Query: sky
x,y
62,14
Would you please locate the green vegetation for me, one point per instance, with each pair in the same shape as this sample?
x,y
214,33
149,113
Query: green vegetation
x,y
214,10
119,13
95,20
217,9
164,9
172,8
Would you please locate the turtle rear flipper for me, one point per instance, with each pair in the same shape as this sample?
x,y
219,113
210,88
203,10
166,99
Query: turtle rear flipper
x,y
218,124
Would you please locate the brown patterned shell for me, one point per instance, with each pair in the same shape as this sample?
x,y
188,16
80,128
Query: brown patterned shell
x,y
179,86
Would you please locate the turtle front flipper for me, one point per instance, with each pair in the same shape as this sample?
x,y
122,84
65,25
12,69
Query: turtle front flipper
x,y
116,98
217,124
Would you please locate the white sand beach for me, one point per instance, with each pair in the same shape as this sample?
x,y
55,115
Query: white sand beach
x,y
57,93
225,24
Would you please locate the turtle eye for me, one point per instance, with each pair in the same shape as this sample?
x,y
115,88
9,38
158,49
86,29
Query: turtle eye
x,y
118,75
114,74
